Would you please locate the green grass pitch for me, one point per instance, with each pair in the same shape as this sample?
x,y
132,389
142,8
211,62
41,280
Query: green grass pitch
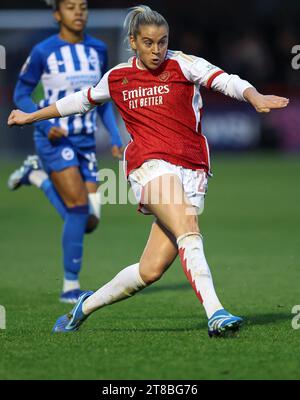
x,y
251,231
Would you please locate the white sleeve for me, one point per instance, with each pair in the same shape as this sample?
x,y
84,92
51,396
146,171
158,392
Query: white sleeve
x,y
85,100
201,72
196,69
75,103
100,93
230,85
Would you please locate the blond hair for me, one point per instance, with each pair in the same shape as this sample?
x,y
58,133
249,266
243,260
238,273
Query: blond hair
x,y
139,16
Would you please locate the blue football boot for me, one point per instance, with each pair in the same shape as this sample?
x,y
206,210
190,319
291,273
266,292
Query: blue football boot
x,y
20,176
71,296
71,322
222,323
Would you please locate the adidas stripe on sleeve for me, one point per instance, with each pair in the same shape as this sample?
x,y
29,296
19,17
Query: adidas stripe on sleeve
x,y
200,71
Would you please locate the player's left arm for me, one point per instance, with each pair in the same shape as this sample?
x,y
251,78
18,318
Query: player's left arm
x,y
240,89
204,73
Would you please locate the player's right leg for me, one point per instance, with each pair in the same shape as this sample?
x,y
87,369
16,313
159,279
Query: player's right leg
x,y
159,253
31,172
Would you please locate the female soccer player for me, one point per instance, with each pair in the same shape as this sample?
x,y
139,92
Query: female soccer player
x,y
157,94
67,63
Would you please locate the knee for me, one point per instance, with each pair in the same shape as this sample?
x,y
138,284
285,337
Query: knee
x,y
76,200
187,224
91,224
150,277
153,272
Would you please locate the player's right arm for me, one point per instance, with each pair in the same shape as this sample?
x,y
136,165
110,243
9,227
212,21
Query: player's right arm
x,y
18,117
75,103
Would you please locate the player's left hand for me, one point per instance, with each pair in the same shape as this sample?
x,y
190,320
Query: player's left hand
x,y
266,103
117,152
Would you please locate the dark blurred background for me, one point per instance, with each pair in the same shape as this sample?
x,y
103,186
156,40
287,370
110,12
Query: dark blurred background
x,y
253,39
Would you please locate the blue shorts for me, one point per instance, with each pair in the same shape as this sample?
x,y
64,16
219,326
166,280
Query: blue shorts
x,y
57,156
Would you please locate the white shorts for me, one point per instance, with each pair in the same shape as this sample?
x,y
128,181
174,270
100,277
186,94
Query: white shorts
x,y
194,182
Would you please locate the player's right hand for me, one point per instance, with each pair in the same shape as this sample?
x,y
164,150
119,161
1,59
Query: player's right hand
x,y
18,117
56,133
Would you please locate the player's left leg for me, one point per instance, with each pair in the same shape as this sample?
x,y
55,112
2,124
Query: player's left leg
x,y
71,188
159,253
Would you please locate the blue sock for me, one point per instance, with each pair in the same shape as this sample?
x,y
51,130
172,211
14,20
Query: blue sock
x,y
72,240
54,198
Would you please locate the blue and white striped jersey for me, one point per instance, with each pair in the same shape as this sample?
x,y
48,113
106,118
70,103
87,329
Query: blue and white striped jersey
x,y
64,68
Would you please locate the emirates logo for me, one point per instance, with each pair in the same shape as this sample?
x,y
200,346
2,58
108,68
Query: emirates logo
x,y
164,76
125,81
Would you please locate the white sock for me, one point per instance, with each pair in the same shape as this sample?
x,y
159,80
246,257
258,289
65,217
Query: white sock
x,y
197,271
70,285
95,204
124,285
37,177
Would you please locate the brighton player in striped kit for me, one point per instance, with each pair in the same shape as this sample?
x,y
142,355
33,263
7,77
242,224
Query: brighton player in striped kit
x,y
157,94
66,63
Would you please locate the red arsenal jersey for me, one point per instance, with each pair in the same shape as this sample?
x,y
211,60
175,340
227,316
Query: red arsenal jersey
x,y
161,108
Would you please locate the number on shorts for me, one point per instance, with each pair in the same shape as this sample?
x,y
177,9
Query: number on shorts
x,y
202,187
